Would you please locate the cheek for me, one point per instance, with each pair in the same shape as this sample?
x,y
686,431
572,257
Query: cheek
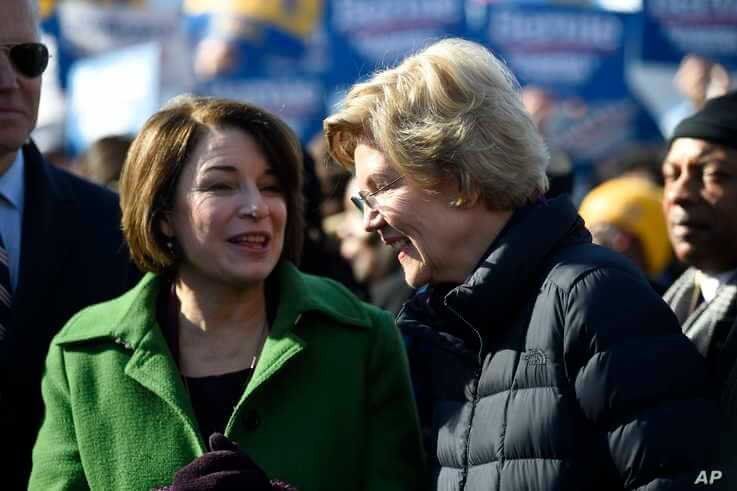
x,y
716,194
278,211
204,215
32,88
396,214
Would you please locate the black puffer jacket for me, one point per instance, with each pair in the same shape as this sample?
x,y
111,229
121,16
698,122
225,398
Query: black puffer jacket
x,y
556,367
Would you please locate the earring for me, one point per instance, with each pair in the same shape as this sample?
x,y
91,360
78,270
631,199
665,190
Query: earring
x,y
170,246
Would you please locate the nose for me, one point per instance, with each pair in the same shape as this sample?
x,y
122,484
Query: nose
x,y
373,220
252,203
8,77
348,248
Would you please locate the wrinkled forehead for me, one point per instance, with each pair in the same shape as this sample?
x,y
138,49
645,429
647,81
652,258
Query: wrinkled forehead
x,y
687,149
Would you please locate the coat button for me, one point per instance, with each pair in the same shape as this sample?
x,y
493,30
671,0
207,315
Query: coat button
x,y
251,420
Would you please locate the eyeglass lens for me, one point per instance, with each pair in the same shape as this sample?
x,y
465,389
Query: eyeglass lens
x,y
358,202
29,59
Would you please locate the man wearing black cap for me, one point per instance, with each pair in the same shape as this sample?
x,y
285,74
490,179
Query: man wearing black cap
x,y
700,204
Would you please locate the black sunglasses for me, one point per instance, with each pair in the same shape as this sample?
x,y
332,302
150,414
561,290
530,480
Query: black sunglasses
x,y
28,59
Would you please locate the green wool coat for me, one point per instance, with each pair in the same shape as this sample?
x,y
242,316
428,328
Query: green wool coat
x,y
329,406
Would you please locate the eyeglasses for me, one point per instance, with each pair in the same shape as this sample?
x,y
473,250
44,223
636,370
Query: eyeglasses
x,y
369,199
28,59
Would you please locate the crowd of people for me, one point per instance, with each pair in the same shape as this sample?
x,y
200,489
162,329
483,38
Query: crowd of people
x,y
207,307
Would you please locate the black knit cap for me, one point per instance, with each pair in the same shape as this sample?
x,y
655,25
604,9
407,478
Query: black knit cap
x,y
716,122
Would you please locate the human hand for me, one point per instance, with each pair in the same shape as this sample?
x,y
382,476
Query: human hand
x,y
224,467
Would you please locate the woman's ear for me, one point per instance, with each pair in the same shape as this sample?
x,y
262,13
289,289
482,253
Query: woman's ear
x,y
452,186
465,200
165,225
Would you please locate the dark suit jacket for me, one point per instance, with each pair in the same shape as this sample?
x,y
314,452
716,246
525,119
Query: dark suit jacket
x,y
727,370
72,255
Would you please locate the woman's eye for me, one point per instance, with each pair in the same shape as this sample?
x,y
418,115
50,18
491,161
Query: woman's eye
x,y
215,187
270,188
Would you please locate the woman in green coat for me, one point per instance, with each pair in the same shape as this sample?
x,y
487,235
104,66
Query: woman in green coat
x,y
224,335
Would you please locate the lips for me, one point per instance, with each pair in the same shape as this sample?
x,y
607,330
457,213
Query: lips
x,y
392,239
679,217
690,224
686,229
399,244
251,240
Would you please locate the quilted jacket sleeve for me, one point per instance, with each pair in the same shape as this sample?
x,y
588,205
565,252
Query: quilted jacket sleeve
x,y
394,452
638,380
56,461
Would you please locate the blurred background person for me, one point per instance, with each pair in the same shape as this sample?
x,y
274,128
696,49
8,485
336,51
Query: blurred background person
x,y
697,80
626,215
320,254
61,248
539,360
333,178
224,335
643,161
102,162
700,204
540,104
374,265
236,26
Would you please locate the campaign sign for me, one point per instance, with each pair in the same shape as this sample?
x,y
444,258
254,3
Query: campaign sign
x,y
282,28
365,35
88,29
297,99
91,29
577,57
576,51
266,53
674,28
112,94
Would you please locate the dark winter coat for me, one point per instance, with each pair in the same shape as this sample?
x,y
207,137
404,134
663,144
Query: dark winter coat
x,y
555,366
72,255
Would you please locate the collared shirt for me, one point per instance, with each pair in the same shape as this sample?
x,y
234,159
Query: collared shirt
x,y
709,284
12,201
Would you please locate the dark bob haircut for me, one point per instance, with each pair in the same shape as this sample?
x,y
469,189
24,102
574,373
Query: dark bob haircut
x,y
164,146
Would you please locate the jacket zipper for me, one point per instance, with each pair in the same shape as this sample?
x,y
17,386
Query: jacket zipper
x,y
475,394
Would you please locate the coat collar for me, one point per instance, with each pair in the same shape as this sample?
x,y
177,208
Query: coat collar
x,y
129,319
707,318
514,261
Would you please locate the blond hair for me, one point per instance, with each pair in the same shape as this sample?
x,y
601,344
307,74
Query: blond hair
x,y
163,147
451,110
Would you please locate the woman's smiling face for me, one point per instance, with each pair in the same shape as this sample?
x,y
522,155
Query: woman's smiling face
x,y
229,213
427,234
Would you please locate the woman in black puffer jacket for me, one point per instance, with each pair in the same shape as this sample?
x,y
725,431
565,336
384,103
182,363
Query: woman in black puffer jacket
x,y
540,361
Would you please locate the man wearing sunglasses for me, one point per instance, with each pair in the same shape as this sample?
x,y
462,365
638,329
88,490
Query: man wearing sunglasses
x,y
60,243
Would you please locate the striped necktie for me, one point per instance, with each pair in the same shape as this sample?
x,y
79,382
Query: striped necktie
x,y
5,291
